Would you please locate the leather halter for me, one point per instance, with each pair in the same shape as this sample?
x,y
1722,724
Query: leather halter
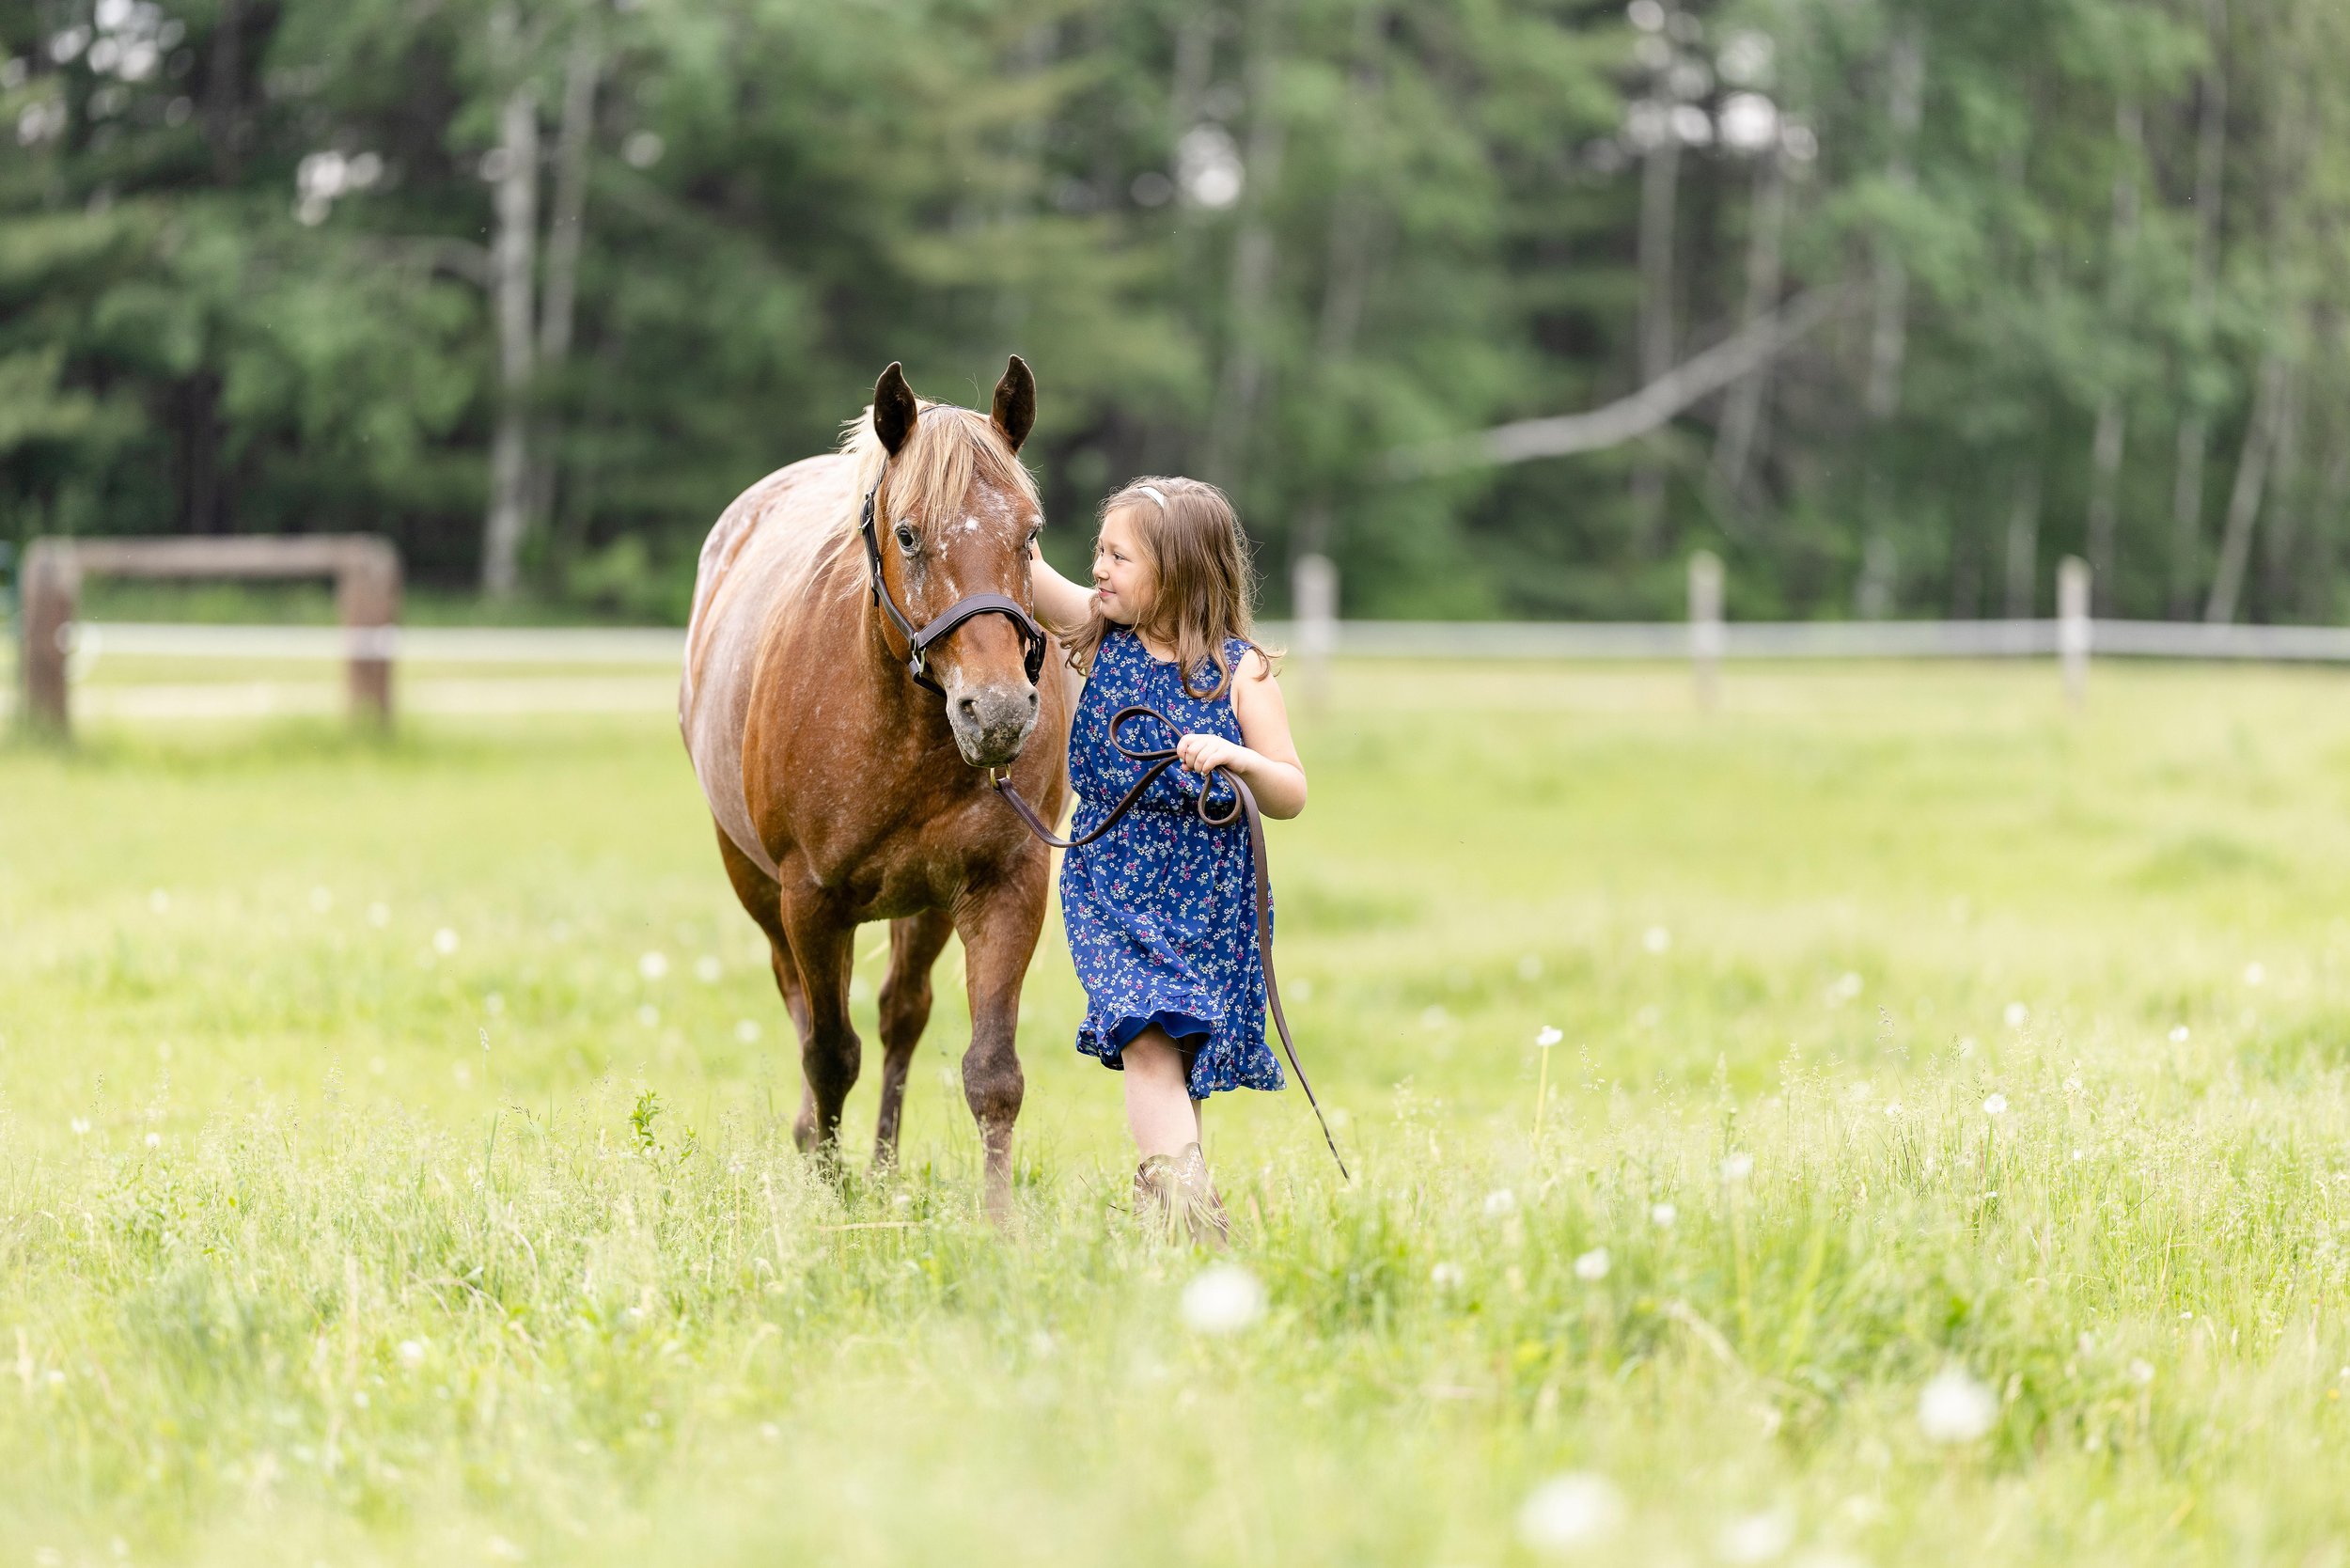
x,y
919,642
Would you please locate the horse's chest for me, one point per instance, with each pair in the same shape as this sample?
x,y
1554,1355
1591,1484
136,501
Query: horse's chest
x,y
880,869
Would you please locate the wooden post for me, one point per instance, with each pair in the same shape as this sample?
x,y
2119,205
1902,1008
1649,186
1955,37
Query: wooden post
x,y
367,591
50,586
1314,587
2072,629
1706,636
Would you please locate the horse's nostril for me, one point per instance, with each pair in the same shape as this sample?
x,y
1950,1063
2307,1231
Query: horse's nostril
x,y
1032,701
970,707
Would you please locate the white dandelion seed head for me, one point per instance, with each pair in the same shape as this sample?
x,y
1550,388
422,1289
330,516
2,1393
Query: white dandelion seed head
x,y
1738,1167
653,966
2141,1371
2017,1015
445,941
1568,1513
648,1015
1657,939
2255,973
2178,1034
1548,1036
80,1126
1845,987
1663,1216
2080,1154
1757,1537
160,902
1222,1298
1592,1265
412,1354
1500,1201
154,1140
708,971
1433,1016
746,1031
1995,1105
1446,1277
1953,1407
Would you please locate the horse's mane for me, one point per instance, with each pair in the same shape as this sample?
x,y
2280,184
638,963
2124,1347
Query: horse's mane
x,y
948,448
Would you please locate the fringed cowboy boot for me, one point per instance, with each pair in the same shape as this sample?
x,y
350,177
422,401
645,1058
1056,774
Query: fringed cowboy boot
x,y
1158,1185
1202,1209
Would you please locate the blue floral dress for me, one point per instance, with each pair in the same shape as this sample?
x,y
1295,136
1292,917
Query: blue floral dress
x,y
1161,910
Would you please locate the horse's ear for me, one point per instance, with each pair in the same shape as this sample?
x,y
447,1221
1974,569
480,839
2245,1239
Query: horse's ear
x,y
1015,401
894,408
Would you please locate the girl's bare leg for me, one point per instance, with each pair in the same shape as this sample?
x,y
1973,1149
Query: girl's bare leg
x,y
1160,1111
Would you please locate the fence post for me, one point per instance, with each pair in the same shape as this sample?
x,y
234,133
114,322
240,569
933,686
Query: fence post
x,y
368,587
48,588
1314,592
1706,636
2072,629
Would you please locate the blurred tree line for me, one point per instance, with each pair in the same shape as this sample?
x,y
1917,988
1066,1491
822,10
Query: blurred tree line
x,y
537,286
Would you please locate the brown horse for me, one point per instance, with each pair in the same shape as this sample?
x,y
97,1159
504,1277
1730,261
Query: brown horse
x,y
847,765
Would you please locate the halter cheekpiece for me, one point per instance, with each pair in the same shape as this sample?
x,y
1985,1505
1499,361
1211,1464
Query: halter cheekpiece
x,y
919,642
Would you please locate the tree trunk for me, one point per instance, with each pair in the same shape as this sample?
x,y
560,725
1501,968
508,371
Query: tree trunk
x,y
1660,196
1742,412
2023,547
2284,504
224,95
1243,376
1348,268
565,232
1889,334
511,269
203,495
2105,450
1878,589
2244,501
2211,155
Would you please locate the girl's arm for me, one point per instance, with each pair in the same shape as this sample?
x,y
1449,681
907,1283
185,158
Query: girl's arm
x,y
1062,604
1268,758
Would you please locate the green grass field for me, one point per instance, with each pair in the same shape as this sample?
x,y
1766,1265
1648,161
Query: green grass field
x,y
397,1166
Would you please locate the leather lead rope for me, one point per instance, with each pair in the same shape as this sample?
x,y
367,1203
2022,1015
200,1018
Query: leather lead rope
x,y
1243,805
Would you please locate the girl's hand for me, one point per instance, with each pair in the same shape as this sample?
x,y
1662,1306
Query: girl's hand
x,y
1205,753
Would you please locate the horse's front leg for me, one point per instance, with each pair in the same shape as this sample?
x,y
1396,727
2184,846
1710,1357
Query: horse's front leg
x,y
823,945
915,943
999,924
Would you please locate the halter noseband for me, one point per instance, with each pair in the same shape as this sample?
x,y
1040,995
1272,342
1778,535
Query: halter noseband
x,y
919,642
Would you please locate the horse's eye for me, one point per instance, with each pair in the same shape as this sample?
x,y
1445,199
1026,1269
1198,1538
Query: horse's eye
x,y
908,540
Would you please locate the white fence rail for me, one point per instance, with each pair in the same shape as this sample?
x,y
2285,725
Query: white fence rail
x,y
1652,640
1818,639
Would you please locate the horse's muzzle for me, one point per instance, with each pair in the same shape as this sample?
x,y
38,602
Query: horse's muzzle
x,y
992,723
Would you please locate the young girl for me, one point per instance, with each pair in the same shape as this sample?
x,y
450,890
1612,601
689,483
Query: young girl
x,y
1161,911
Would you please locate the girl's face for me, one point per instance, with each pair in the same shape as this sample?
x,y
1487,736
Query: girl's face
x,y
1122,579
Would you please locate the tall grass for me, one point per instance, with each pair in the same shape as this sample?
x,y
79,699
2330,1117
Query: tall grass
x,y
390,1175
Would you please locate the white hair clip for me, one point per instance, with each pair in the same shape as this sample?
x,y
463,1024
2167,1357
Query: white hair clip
x,y
1155,493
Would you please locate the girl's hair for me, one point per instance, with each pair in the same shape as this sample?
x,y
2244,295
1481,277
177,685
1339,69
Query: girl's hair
x,y
1203,593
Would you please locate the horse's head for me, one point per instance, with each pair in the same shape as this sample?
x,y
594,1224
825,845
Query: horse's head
x,y
955,512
